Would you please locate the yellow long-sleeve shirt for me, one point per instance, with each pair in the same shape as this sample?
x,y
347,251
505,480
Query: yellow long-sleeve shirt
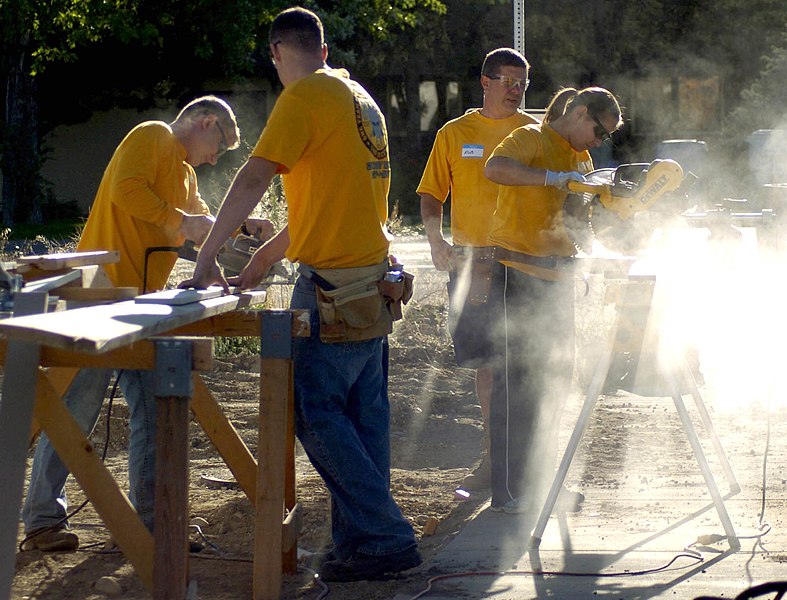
x,y
146,188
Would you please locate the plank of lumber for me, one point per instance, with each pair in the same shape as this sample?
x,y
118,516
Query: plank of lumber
x,y
94,478
96,329
225,438
51,283
178,297
99,294
138,355
66,260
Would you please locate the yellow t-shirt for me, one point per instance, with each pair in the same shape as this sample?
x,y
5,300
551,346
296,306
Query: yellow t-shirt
x,y
146,188
529,219
330,140
456,165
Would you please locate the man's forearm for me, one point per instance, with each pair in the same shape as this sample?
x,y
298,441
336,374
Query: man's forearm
x,y
276,247
432,217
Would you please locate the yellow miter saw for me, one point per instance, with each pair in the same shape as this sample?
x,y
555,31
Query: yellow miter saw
x,y
618,207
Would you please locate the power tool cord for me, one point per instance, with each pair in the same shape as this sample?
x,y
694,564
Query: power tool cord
x,y
148,252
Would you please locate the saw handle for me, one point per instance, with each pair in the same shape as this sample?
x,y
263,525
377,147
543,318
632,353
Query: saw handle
x,y
580,187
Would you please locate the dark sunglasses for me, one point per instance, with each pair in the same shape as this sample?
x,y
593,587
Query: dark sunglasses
x,y
599,131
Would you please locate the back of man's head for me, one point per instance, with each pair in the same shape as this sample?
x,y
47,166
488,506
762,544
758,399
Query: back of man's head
x,y
298,27
503,57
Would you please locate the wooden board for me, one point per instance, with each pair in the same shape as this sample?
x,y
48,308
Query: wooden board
x,y
105,327
51,283
66,260
94,295
178,297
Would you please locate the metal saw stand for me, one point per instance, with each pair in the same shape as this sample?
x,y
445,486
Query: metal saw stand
x,y
627,335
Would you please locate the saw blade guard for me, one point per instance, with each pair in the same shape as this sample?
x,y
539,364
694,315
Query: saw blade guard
x,y
622,207
578,207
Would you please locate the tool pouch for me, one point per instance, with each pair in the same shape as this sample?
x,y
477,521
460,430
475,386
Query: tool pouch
x,y
477,264
396,289
363,303
354,310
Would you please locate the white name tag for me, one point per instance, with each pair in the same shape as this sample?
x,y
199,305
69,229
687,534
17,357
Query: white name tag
x,y
472,151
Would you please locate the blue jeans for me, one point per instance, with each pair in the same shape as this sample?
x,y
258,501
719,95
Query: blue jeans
x,y
46,503
342,421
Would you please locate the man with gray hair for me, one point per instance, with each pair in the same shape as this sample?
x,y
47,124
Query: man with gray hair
x,y
147,199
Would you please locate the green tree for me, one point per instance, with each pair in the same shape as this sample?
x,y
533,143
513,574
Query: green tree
x,y
33,34
159,49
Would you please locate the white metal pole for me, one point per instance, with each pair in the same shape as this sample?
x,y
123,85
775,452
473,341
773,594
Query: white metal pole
x,y
519,31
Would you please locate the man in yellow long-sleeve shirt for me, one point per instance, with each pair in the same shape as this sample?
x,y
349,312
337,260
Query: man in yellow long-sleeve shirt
x,y
147,199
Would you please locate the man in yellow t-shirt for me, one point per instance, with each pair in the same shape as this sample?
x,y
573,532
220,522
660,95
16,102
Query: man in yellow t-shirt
x,y
456,167
327,137
147,199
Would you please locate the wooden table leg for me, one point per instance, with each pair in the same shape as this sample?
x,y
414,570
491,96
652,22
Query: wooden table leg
x,y
225,438
173,390
275,393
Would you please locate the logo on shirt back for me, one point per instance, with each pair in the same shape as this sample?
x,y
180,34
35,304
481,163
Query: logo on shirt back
x,y
371,125
472,151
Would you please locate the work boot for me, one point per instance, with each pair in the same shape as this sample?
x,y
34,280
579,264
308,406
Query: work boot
x,y
47,539
515,506
479,478
365,566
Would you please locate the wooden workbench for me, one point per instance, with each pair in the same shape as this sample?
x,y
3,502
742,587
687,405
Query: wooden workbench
x,y
119,336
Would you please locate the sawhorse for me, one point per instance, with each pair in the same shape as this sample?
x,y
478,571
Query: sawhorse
x,y
268,482
627,335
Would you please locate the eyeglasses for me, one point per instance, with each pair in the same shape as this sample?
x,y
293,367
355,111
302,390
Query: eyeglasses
x,y
510,82
223,145
600,131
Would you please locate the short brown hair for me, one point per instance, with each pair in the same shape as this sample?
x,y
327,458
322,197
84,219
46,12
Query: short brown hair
x,y
503,57
299,27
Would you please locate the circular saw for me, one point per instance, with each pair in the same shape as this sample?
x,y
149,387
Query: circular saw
x,y
618,207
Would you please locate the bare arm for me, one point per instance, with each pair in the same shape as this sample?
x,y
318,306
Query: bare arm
x,y
432,217
259,265
247,189
507,171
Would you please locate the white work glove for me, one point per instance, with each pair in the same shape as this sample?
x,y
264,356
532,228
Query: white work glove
x,y
560,179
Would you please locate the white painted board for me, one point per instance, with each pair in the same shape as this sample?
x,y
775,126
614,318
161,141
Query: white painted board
x,y
177,297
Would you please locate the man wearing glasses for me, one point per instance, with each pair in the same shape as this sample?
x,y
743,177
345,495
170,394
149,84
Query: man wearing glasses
x,y
147,198
456,167
327,138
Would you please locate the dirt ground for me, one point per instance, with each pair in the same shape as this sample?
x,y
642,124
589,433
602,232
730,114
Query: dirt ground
x,y
436,439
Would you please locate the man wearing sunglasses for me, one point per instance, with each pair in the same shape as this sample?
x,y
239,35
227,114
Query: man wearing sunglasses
x,y
456,167
147,198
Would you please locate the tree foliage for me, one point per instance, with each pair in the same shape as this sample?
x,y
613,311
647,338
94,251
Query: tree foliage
x,y
165,50
157,49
